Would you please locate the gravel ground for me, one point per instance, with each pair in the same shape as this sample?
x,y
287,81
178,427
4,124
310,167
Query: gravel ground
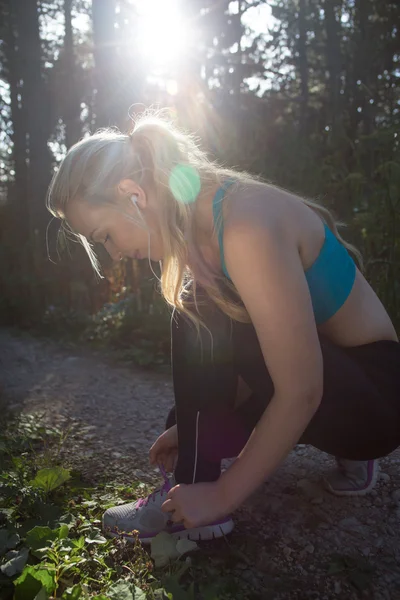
x,y
290,533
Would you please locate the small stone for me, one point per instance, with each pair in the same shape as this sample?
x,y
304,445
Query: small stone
x,y
116,454
385,477
352,524
310,489
366,551
337,587
287,551
250,577
138,473
309,548
396,496
317,500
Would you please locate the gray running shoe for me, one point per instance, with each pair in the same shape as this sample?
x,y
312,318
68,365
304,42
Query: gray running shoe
x,y
146,517
352,477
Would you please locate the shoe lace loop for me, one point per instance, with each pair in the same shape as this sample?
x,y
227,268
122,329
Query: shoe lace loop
x,y
163,489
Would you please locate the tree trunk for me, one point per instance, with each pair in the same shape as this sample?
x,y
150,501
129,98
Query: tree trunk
x,y
36,105
111,107
361,67
303,66
71,110
333,56
18,190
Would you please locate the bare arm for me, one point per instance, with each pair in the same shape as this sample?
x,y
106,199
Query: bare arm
x,y
266,269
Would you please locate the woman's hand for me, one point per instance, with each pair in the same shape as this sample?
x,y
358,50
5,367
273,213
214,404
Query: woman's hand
x,y
196,504
165,449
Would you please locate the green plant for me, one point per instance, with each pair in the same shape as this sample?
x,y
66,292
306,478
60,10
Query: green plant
x,y
51,544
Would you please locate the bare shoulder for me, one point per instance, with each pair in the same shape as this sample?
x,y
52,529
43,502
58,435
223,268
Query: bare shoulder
x,y
262,202
265,206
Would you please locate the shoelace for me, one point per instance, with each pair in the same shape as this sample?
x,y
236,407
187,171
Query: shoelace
x,y
164,489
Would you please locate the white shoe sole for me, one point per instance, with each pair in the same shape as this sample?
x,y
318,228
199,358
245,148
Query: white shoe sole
x,y
197,534
361,492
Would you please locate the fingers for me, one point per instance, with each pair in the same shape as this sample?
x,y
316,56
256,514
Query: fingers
x,y
154,452
168,505
175,514
166,459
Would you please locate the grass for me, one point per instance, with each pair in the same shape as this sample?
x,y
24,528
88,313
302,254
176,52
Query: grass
x,y
52,546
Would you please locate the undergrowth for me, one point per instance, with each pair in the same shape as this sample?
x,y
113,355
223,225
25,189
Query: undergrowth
x,y
51,543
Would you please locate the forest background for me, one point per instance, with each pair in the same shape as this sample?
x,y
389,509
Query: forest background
x,y
304,92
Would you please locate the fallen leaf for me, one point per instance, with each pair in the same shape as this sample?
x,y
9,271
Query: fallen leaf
x,y
163,549
185,545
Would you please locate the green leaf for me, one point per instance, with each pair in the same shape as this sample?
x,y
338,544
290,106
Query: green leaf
x,y
62,532
79,543
45,577
28,589
50,479
163,549
162,594
122,590
40,537
183,546
8,540
13,541
178,593
73,593
49,514
42,595
95,537
16,564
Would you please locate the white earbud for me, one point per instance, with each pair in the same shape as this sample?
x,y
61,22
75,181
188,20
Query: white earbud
x,y
134,199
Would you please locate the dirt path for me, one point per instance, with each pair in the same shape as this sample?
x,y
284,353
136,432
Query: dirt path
x,y
290,532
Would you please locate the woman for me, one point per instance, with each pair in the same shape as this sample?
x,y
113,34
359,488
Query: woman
x,y
277,338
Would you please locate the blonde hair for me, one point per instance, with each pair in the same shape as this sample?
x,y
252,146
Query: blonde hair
x,y
161,157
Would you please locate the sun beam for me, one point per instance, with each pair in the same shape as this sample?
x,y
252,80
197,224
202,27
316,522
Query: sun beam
x,y
163,35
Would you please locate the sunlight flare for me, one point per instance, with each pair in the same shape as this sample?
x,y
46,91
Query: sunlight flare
x,y
164,34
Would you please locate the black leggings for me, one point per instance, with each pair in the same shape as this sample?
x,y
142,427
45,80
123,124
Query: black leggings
x,y
358,418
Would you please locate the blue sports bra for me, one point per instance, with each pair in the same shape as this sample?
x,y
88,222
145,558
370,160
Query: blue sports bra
x,y
330,278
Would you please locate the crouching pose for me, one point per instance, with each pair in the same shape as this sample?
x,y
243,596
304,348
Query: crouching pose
x,y
277,338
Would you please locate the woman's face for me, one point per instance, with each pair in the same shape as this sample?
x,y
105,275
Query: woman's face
x,y
118,225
